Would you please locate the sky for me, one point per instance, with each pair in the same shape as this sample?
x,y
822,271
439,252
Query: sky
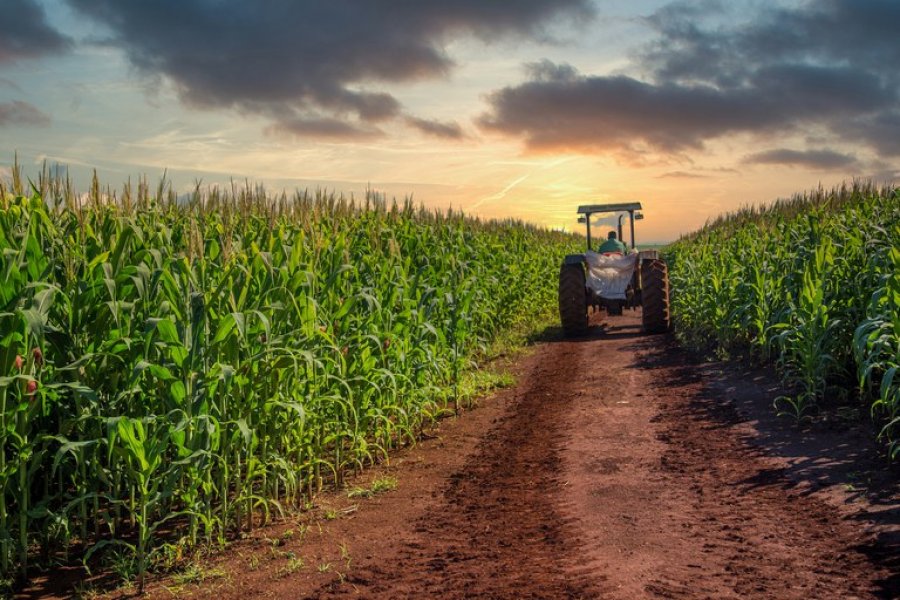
x,y
521,109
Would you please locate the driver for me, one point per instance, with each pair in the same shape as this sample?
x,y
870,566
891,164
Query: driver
x,y
612,246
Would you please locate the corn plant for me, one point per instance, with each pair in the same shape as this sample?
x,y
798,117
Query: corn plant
x,y
877,347
806,335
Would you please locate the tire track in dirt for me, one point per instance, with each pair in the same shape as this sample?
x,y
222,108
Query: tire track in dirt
x,y
673,503
497,531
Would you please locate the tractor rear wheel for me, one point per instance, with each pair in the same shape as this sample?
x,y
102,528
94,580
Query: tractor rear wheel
x,y
655,296
572,300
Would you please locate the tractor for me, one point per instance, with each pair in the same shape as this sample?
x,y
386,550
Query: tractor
x,y
612,282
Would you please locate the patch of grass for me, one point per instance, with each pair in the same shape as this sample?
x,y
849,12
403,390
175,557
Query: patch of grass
x,y
123,565
282,554
478,383
379,486
360,492
515,339
345,554
253,562
384,484
198,574
82,591
490,370
294,564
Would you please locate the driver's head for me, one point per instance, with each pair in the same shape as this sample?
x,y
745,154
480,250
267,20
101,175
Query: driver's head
x,y
612,235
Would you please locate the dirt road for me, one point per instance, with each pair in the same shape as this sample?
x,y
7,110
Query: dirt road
x,y
616,468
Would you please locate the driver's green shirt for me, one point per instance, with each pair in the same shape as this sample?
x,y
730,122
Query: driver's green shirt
x,y
612,246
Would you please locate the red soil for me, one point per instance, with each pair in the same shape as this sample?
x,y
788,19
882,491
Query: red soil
x,y
616,468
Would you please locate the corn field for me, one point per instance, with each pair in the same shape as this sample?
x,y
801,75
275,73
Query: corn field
x,y
175,370
811,284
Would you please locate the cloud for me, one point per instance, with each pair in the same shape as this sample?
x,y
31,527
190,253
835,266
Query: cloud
x,y
880,130
618,113
830,65
21,113
449,130
322,128
299,62
858,33
681,175
25,33
815,159
9,83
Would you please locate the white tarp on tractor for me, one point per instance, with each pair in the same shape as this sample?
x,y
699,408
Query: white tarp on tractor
x,y
609,275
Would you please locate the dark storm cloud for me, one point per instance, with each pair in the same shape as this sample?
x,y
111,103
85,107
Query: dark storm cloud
x,y
308,60
25,33
880,130
562,109
815,159
21,113
858,33
831,65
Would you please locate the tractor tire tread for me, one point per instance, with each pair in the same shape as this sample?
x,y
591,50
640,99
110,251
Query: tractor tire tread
x,y
572,300
655,296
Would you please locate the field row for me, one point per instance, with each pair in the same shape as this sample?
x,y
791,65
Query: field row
x,y
193,365
811,284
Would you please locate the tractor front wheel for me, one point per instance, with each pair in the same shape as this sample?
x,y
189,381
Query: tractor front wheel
x,y
655,296
573,300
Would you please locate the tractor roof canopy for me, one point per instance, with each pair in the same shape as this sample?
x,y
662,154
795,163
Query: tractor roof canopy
x,y
588,209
